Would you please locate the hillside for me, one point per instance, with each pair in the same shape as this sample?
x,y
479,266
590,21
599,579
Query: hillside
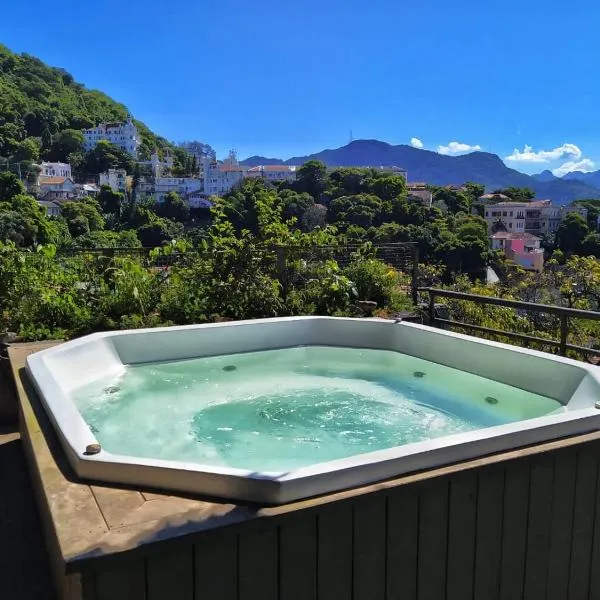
x,y
545,176
37,102
592,178
438,169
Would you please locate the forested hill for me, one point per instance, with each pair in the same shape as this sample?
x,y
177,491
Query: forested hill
x,y
38,103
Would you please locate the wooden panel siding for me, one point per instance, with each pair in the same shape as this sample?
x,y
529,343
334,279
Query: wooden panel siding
x,y
525,528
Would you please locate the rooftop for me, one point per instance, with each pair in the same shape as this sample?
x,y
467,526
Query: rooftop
x,y
505,235
272,168
53,180
493,196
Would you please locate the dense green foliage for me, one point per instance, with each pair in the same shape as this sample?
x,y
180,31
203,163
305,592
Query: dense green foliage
x,y
42,110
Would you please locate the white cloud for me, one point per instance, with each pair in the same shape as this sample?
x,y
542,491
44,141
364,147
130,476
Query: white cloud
x,y
586,165
416,143
457,148
528,155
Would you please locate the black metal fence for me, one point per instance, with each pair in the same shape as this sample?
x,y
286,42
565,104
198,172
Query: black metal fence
x,y
563,314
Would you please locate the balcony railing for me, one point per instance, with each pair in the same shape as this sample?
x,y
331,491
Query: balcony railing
x,y
564,315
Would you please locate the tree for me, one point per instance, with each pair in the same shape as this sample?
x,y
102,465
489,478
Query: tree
x,y
110,202
68,141
363,210
314,216
312,178
517,194
173,207
27,150
474,191
345,181
106,156
10,185
455,201
590,246
82,217
24,221
571,233
159,231
241,205
385,186
108,239
593,208
295,204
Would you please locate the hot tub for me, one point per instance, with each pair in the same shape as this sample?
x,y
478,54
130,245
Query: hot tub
x,y
275,410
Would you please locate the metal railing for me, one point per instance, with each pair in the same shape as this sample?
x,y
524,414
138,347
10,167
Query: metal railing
x,y
563,314
403,256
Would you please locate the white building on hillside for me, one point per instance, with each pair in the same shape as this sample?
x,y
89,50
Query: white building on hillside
x,y
220,178
392,170
116,178
52,208
158,166
273,172
539,217
509,216
159,187
55,169
124,135
56,188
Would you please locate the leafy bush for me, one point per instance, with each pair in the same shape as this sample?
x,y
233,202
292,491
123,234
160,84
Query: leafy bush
x,y
374,280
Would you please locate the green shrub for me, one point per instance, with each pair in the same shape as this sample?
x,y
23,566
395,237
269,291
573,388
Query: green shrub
x,y
374,280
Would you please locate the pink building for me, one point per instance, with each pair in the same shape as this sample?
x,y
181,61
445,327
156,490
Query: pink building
x,y
522,248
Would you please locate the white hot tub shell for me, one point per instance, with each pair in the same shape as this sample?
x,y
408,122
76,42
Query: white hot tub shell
x,y
57,372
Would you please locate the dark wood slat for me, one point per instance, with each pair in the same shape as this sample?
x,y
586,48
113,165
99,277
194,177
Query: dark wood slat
x,y
402,543
369,562
561,536
595,566
538,527
334,567
125,582
258,564
461,536
488,548
514,529
216,567
171,575
433,540
583,524
88,586
298,558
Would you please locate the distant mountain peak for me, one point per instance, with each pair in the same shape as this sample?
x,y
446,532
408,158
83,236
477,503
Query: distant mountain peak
x,y
441,169
546,175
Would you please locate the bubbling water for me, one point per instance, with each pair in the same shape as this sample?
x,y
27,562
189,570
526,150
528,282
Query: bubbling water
x,y
282,409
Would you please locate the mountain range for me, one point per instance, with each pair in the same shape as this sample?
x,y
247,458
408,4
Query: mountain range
x,y
438,169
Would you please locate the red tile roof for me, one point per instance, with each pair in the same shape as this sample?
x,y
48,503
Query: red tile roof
x,y
52,180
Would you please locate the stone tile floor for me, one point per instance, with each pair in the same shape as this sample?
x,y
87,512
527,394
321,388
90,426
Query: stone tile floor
x,y
24,567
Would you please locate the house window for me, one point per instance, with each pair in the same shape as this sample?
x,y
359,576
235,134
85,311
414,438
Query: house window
x,y
511,213
504,214
510,225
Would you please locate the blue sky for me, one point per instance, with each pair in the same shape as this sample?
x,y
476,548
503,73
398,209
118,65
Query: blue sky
x,y
290,78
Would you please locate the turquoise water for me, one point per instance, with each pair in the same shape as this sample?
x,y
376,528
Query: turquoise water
x,y
283,409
